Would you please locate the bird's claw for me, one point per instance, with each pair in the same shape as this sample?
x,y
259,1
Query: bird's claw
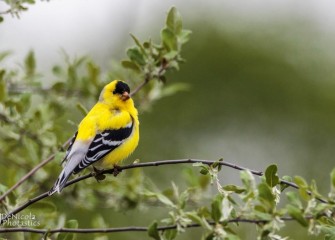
x,y
116,170
97,173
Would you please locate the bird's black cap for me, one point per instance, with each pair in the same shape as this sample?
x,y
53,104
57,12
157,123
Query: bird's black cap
x,y
121,87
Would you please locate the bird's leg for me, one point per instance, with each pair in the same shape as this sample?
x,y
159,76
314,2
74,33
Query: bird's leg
x,y
97,173
116,170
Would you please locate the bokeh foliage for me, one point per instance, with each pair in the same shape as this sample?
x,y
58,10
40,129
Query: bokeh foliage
x,y
80,80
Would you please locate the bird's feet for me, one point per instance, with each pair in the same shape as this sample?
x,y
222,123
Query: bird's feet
x,y
98,175
116,170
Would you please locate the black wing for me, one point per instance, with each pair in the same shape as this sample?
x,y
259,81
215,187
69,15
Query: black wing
x,y
103,143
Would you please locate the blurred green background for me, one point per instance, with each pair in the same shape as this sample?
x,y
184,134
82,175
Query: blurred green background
x,y
261,89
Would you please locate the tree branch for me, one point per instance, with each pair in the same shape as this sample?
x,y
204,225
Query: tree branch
x,y
130,229
142,165
164,65
31,172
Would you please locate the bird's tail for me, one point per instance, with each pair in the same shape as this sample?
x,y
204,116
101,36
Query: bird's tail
x,y
60,183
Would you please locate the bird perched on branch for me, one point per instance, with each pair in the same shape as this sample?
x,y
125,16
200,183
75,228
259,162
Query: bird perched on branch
x,y
108,134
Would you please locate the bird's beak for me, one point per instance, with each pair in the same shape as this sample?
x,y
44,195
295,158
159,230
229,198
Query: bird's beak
x,y
125,96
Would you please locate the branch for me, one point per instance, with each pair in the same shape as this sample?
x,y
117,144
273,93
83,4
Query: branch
x,y
131,229
31,172
142,165
164,65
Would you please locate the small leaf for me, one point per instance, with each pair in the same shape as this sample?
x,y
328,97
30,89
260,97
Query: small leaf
x,y
216,205
296,213
184,36
170,234
93,73
30,64
59,87
266,196
169,39
234,188
1,19
271,176
294,199
174,21
130,65
332,178
82,109
57,70
153,231
136,56
138,43
204,171
3,87
300,182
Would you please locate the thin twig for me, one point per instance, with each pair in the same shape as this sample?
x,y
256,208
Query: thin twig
x,y
129,229
30,173
141,165
139,87
148,77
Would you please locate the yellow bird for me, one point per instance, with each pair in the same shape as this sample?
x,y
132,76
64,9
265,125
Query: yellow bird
x,y
108,134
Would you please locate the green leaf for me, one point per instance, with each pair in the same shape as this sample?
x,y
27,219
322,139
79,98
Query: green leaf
x,y
3,87
297,214
174,21
294,199
300,182
247,179
303,187
93,73
204,171
59,87
216,205
138,43
170,234
30,64
332,178
162,198
1,19
153,231
82,109
200,220
184,36
169,39
130,65
136,56
57,70
266,196
234,188
271,176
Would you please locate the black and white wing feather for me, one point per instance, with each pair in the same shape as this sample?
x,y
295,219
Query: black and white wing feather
x,y
103,143
81,154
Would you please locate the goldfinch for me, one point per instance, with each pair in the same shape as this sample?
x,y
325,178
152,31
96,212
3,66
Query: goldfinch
x,y
108,134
